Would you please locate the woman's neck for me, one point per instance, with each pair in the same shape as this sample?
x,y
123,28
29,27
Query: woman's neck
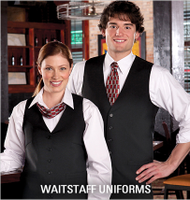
x,y
52,99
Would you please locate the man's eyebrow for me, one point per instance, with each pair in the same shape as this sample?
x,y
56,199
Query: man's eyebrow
x,y
112,23
129,24
126,24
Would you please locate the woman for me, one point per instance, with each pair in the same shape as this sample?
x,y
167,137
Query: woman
x,y
57,136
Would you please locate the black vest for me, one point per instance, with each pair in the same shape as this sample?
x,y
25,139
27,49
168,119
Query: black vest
x,y
128,123
54,158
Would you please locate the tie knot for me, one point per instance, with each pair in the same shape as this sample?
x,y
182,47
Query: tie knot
x,y
114,65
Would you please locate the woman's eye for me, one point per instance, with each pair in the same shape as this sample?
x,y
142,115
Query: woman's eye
x,y
63,68
48,68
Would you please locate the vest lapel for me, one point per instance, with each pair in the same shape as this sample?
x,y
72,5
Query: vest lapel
x,y
96,80
65,121
126,86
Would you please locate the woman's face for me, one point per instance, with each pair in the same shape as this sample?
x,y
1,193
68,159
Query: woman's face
x,y
55,71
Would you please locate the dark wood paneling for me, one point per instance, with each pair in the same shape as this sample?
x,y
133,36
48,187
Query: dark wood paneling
x,y
4,63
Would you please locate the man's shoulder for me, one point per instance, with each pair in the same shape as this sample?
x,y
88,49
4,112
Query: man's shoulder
x,y
97,57
80,64
143,60
96,60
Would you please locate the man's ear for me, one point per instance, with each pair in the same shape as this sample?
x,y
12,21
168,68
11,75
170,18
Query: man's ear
x,y
137,35
103,32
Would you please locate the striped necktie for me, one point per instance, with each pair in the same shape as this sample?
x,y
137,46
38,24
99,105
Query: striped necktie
x,y
112,84
50,113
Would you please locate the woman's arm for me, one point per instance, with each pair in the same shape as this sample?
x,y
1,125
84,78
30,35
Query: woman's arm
x,y
98,162
13,156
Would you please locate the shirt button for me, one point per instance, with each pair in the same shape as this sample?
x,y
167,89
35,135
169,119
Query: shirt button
x,y
111,115
110,127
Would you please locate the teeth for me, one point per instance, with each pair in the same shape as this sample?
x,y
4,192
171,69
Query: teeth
x,y
119,40
56,83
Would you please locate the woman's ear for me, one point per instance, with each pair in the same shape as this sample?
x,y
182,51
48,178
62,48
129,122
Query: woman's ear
x,y
39,69
71,68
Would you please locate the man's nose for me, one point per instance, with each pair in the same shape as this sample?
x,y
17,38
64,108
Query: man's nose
x,y
119,31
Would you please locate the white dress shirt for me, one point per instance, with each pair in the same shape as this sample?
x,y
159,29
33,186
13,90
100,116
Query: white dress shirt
x,y
98,161
165,92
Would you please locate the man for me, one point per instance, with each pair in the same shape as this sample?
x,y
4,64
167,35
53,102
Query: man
x,y
130,108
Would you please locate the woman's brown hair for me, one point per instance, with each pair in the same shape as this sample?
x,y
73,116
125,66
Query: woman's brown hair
x,y
51,49
124,10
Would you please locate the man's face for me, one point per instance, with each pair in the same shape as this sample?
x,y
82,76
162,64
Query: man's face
x,y
120,36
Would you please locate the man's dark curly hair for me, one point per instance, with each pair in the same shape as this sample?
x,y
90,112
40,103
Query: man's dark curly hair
x,y
124,10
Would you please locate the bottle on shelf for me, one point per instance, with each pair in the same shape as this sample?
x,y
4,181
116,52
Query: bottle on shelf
x,y
36,41
21,61
46,40
12,60
53,38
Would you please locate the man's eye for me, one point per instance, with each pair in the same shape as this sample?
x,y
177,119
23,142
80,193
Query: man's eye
x,y
113,26
127,27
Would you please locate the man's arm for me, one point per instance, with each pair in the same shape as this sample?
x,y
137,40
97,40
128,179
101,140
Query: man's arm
x,y
75,82
157,169
167,93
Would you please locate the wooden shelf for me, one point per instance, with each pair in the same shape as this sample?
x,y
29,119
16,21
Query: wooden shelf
x,y
21,88
19,47
29,53
19,66
10,177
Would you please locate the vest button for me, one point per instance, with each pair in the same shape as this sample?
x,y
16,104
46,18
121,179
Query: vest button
x,y
110,128
111,114
48,137
50,149
110,152
110,139
50,172
49,160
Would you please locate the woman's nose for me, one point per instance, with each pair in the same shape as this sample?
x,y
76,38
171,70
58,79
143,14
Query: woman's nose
x,y
56,74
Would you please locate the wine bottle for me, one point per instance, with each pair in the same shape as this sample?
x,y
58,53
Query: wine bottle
x,y
12,60
53,38
21,60
46,40
36,41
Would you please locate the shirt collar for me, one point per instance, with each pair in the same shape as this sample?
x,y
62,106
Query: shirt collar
x,y
67,99
124,63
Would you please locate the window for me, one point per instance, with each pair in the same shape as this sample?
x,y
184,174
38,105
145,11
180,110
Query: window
x,y
76,40
187,45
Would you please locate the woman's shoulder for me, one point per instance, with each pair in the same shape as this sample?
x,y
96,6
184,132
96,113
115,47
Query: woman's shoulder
x,y
19,108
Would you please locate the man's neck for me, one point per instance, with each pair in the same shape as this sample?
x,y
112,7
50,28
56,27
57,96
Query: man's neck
x,y
118,56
